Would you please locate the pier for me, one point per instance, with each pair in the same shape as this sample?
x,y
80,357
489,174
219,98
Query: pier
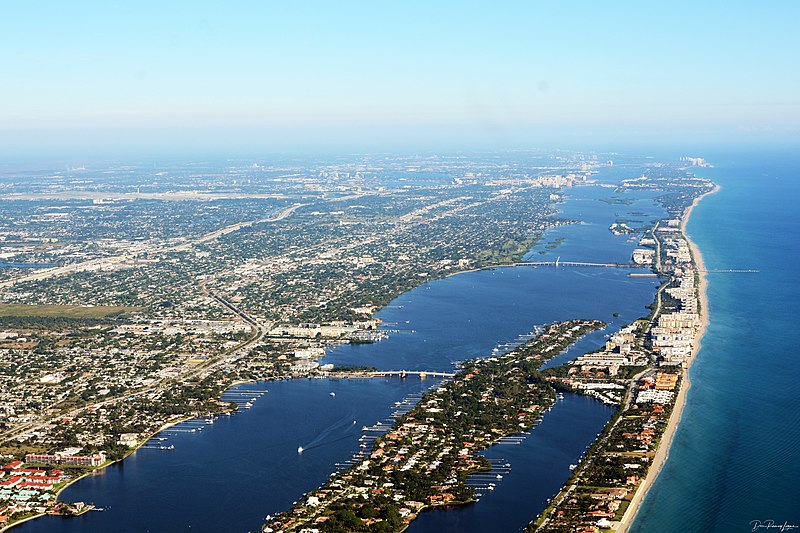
x,y
730,271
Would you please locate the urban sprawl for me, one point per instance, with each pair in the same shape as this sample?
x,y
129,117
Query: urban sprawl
x,y
131,298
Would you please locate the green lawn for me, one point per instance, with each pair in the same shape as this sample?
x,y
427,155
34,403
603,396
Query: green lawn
x,y
67,311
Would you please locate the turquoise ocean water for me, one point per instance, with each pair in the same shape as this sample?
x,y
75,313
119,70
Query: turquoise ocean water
x,y
735,458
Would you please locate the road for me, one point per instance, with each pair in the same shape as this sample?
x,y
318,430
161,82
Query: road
x,y
111,263
258,331
214,235
599,443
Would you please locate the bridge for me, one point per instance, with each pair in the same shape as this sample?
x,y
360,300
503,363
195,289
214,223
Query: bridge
x,y
405,373
402,374
558,263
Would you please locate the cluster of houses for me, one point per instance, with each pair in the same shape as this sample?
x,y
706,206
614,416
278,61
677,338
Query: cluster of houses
x,y
643,438
644,256
675,245
25,489
30,486
410,446
16,476
171,328
606,503
657,390
334,330
130,356
673,336
684,290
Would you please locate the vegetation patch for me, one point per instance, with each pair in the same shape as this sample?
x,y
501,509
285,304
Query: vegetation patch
x,y
65,311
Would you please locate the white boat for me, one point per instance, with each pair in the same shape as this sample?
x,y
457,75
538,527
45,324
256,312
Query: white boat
x,y
332,393
299,449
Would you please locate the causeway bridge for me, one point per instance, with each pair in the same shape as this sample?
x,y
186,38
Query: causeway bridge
x,y
405,373
558,262
422,374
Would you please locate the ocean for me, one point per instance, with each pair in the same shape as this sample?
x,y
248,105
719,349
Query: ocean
x,y
735,458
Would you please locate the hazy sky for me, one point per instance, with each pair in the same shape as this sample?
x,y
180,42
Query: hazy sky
x,y
274,75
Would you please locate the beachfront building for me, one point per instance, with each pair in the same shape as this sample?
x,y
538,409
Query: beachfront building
x,y
654,396
674,336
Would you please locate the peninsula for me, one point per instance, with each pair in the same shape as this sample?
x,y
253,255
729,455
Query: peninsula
x,y
645,369
424,460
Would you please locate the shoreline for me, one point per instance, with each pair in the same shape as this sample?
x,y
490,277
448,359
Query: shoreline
x,y
99,470
662,454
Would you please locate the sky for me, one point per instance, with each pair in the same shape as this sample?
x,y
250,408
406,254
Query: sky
x,y
303,75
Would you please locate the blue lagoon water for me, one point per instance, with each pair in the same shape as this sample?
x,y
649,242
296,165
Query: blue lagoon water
x,y
231,474
234,472
736,454
540,466
466,316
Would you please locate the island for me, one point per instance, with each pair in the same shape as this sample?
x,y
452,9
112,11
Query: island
x,y
424,460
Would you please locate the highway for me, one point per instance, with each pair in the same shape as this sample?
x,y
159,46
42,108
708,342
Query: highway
x,y
111,263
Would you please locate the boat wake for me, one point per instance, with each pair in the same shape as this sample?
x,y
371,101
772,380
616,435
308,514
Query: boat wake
x,y
343,428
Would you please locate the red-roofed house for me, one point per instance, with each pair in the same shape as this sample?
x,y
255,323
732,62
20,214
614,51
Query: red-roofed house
x,y
13,465
13,481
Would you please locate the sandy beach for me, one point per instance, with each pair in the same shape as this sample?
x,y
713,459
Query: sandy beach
x,y
680,401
